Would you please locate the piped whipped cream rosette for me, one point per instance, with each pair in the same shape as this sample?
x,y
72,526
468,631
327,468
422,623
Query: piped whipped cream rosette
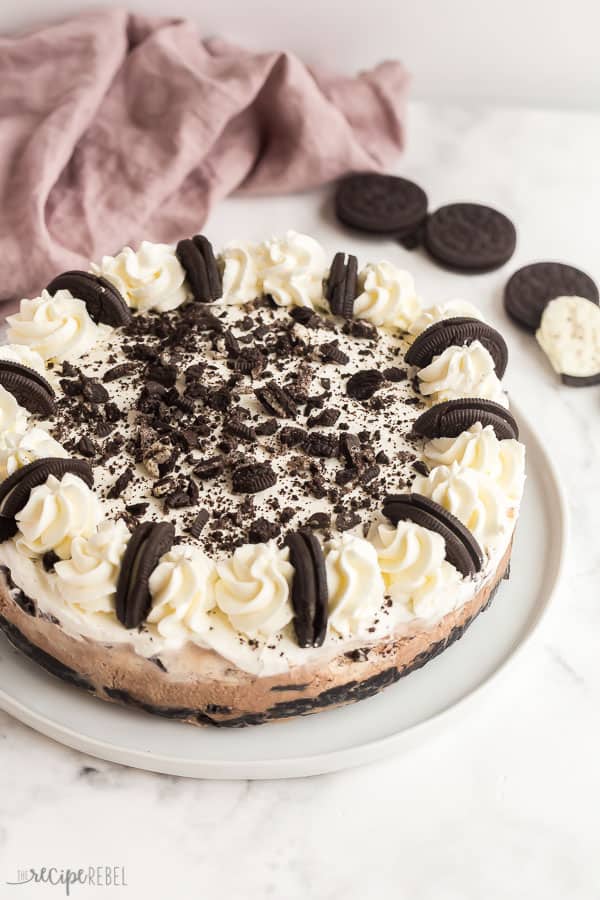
x,y
56,327
19,448
457,358
243,529
150,278
387,297
452,309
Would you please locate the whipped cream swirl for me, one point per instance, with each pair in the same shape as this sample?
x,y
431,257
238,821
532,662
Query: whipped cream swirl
x,y
13,418
18,449
356,588
388,297
151,278
569,335
183,592
88,580
466,371
253,589
240,265
25,356
293,269
479,448
473,497
450,310
415,572
56,513
55,327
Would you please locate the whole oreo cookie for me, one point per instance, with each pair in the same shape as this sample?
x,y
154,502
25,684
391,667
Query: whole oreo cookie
x,y
457,332
104,302
28,387
198,260
309,588
469,237
451,418
147,544
341,289
462,550
381,204
530,289
16,489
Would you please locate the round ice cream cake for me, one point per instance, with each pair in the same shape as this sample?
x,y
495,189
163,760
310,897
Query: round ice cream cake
x,y
248,485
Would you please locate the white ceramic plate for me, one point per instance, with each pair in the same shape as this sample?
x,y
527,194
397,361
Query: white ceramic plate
x,y
402,714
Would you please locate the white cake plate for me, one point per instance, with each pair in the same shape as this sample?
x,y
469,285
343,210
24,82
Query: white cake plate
x,y
403,714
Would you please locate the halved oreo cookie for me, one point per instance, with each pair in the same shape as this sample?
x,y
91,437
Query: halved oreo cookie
x,y
104,302
147,544
28,387
383,204
16,489
341,289
451,418
309,588
530,289
198,260
470,237
462,550
457,332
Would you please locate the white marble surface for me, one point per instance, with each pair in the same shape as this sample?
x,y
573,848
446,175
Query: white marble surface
x,y
503,805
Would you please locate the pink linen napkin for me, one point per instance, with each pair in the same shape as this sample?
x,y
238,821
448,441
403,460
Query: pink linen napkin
x,y
116,128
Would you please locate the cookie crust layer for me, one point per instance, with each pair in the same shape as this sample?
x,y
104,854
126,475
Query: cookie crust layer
x,y
206,689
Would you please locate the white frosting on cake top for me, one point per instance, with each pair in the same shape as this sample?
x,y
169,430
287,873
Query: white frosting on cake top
x,y
13,418
239,605
57,511
19,448
88,578
478,448
56,327
183,592
388,297
253,589
149,278
449,310
466,371
25,356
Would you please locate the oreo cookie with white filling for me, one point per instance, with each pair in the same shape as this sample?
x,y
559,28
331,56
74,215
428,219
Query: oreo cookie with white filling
x,y
147,544
309,588
530,289
459,331
103,301
451,418
569,335
462,549
28,387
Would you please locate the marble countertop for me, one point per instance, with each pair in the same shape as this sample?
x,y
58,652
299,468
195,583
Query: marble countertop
x,y
503,804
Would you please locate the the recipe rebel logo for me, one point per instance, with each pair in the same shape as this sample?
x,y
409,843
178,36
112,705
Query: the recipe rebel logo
x,y
68,879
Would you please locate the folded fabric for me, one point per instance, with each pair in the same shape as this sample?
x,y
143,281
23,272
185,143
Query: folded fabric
x,y
116,127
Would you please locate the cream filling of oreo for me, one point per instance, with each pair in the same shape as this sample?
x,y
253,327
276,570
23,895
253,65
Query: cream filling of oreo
x,y
569,335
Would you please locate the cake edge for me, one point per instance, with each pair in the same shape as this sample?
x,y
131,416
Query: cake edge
x,y
124,677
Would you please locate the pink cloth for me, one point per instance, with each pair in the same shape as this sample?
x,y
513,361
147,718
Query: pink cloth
x,y
116,128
